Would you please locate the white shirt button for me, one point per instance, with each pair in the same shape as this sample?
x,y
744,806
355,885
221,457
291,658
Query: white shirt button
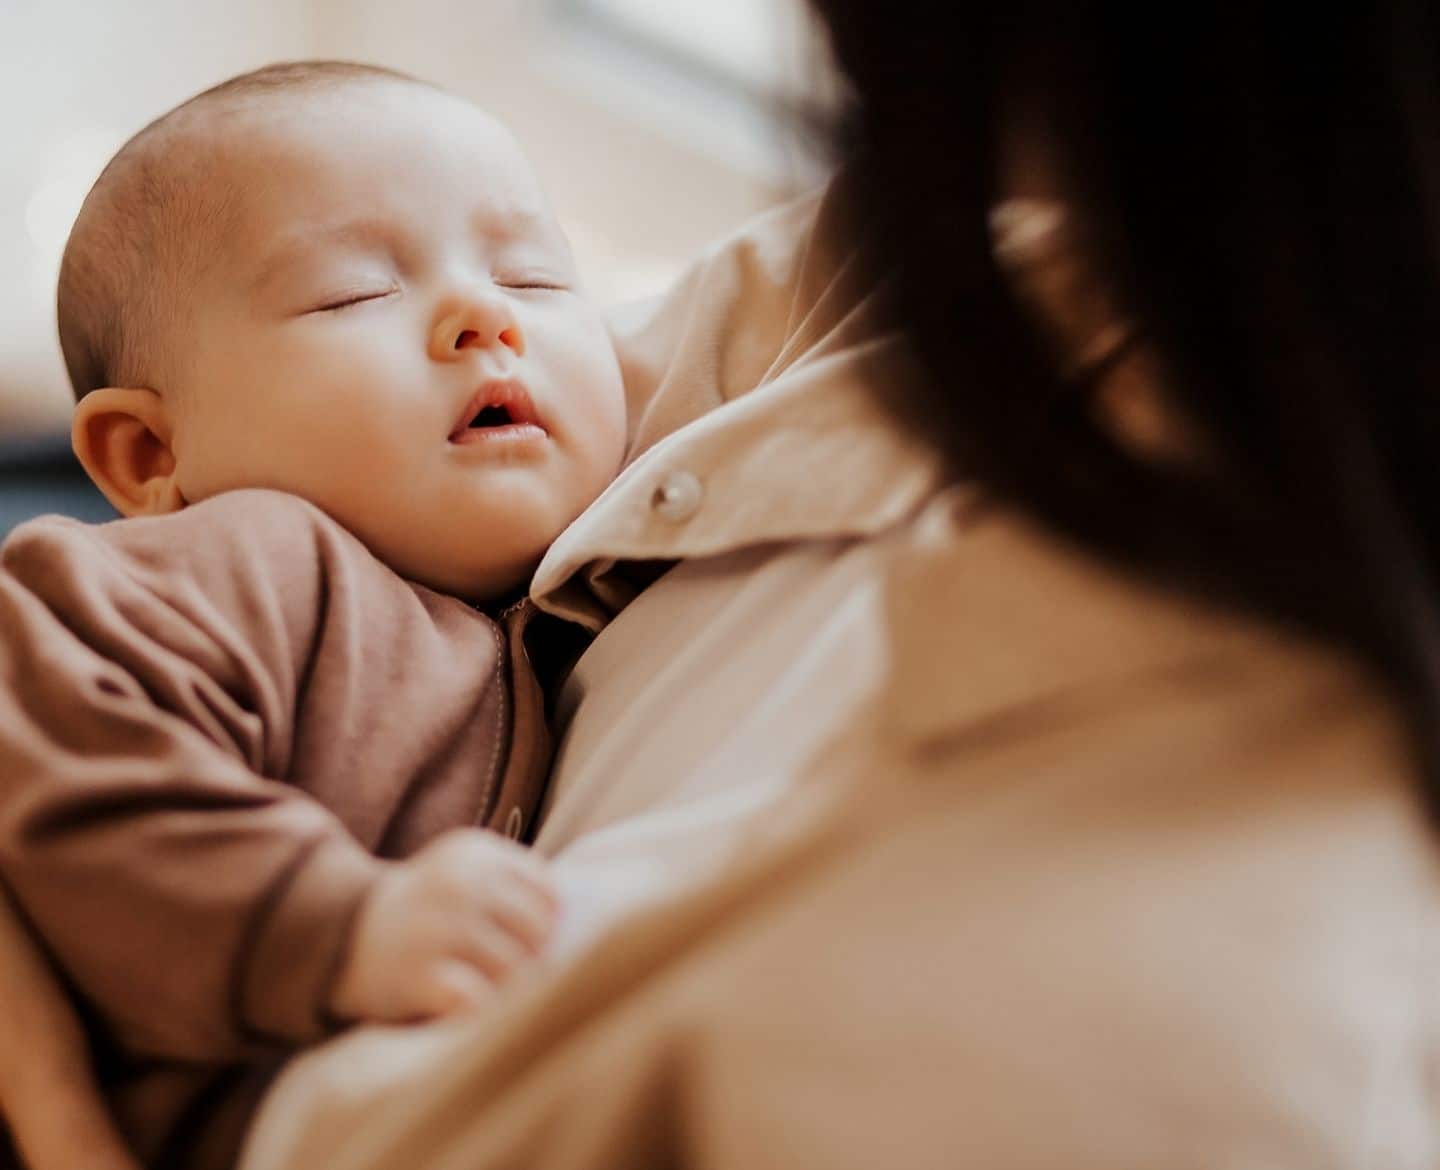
x,y
514,822
678,496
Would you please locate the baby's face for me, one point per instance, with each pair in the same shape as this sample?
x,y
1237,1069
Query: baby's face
x,y
395,333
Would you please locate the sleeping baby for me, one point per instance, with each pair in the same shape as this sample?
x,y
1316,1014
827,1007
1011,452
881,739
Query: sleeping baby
x,y
268,743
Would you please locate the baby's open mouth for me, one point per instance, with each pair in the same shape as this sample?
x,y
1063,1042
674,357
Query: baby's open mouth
x,y
492,416
500,409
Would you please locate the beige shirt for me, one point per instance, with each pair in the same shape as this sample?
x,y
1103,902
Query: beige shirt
x,y
1097,879
760,461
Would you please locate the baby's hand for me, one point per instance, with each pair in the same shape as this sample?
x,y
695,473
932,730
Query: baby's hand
x,y
440,931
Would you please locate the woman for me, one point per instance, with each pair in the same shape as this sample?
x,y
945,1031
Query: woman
x,y
1129,866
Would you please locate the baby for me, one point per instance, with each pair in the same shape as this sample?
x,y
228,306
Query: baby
x,y
334,368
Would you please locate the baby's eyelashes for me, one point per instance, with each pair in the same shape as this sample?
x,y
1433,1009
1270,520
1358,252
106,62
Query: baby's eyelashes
x,y
539,282
347,300
339,301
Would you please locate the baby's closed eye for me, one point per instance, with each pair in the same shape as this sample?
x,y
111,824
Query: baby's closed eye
x,y
336,301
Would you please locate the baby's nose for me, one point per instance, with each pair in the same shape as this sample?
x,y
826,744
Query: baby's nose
x,y
474,323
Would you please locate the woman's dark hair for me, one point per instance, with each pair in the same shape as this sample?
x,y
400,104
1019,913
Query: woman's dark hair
x,y
1261,187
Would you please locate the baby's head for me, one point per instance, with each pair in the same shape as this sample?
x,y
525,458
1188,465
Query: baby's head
x,y
342,283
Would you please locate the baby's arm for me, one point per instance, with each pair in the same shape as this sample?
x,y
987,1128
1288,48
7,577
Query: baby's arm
x,y
49,1099
203,909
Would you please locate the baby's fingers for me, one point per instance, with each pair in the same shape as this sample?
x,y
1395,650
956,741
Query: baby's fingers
x,y
492,950
533,872
524,912
448,986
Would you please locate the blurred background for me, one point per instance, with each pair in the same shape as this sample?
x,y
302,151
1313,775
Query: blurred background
x,y
657,125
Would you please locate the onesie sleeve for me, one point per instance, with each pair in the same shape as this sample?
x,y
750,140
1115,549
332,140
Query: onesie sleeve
x,y
149,672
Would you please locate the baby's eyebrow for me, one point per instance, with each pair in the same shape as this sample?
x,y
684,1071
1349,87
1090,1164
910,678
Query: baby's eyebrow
x,y
507,221
298,244
516,222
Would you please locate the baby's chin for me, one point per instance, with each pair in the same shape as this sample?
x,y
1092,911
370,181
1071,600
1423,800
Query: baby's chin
x,y
478,584
480,577
489,562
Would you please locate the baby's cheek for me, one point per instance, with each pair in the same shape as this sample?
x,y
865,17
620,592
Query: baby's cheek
x,y
216,454
357,468
600,394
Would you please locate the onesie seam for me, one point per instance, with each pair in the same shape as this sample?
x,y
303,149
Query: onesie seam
x,y
492,772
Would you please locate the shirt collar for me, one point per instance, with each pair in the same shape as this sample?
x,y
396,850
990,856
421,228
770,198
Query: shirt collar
x,y
752,393
808,456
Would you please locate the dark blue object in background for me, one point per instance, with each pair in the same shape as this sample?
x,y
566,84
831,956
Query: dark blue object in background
x,y
40,474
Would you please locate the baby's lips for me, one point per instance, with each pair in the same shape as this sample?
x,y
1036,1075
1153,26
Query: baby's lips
x,y
506,394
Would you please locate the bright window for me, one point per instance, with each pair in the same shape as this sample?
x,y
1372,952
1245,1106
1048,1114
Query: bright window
x,y
765,52
764,46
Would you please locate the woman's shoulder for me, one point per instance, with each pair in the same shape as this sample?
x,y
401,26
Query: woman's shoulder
x,y
992,618
1246,764
1148,880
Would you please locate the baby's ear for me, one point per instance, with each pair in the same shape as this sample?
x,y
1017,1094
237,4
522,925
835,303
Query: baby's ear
x,y
122,439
